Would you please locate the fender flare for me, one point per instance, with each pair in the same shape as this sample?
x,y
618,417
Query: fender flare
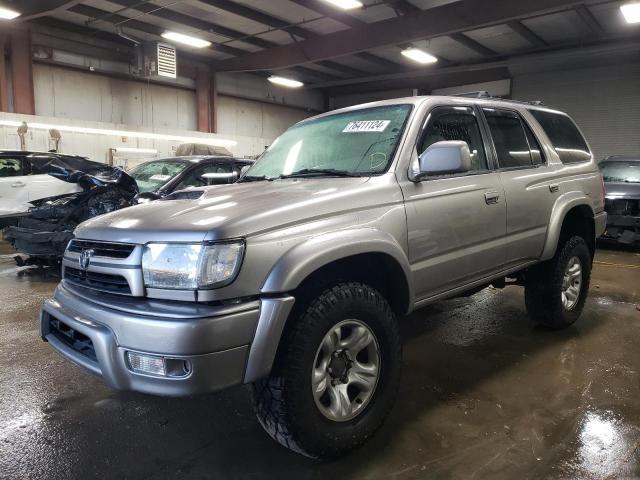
x,y
316,252
561,207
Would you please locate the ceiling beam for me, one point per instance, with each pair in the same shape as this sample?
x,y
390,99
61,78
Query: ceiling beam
x,y
471,44
558,57
590,21
32,9
404,6
448,19
330,12
258,16
192,22
92,12
526,33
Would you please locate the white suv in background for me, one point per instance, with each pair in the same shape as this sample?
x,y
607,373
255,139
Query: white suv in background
x,y
21,182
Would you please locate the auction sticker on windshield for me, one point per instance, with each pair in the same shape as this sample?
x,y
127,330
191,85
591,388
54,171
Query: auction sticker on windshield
x,y
366,126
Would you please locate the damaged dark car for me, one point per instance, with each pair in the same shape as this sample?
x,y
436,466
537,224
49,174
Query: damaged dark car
x,y
622,185
43,233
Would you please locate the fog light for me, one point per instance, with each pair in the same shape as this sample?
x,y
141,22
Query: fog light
x,y
146,364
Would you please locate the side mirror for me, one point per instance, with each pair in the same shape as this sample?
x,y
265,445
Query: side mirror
x,y
244,169
443,158
146,197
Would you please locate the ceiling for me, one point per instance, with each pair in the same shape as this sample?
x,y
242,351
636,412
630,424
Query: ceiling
x,y
330,48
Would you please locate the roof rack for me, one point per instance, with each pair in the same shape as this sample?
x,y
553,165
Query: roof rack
x,y
488,96
478,94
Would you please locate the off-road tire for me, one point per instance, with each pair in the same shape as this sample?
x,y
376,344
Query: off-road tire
x,y
284,402
543,286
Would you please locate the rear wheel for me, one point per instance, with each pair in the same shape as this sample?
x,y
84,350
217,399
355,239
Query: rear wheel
x,y
555,291
336,375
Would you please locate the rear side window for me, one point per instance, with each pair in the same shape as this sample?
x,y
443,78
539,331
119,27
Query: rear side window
x,y
564,135
10,167
509,138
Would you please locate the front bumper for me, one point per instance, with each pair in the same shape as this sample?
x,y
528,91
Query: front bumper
x,y
223,345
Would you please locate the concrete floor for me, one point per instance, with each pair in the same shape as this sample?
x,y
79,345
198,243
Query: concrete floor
x,y
483,395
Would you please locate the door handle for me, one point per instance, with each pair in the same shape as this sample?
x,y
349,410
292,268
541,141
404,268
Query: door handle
x,y
554,187
18,184
491,198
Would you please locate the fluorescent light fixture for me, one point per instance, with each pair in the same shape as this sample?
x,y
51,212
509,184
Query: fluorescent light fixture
x,y
631,12
285,82
6,14
186,39
218,142
135,150
345,4
419,56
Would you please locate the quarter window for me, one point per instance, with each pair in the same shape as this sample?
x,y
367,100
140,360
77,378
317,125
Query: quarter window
x,y
10,167
509,138
455,123
567,140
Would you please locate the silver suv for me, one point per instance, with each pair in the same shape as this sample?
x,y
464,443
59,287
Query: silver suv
x,y
294,280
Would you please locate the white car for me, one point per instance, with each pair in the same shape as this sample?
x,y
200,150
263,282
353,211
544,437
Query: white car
x,y
21,181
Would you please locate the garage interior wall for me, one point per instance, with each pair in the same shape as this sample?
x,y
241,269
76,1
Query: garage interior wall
x,y
71,94
604,102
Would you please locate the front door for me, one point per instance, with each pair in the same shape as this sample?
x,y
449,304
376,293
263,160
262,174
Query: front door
x,y
456,223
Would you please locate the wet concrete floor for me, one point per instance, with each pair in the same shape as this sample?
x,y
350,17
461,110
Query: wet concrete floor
x,y
484,395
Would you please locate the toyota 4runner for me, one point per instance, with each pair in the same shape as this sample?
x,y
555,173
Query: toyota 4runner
x,y
294,280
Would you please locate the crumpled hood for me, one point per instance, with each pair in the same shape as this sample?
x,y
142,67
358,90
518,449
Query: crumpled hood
x,y
231,211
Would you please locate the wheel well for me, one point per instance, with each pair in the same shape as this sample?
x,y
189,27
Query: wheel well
x,y
579,221
378,270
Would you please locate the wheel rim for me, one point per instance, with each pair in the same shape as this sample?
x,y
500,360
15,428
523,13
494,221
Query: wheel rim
x,y
572,283
345,373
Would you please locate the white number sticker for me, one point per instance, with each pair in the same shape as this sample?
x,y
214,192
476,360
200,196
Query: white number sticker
x,y
366,126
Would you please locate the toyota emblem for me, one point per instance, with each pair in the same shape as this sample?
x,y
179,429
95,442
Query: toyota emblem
x,y
85,258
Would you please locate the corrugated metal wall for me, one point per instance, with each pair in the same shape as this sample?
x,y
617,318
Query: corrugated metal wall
x,y
604,101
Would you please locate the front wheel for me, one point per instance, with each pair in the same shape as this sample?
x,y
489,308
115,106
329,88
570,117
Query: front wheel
x,y
556,291
336,375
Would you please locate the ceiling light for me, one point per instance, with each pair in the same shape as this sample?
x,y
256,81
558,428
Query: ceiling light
x,y
285,82
6,14
631,12
186,39
345,4
419,56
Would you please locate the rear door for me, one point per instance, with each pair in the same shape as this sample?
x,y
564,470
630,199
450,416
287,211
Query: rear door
x,y
528,181
456,223
13,184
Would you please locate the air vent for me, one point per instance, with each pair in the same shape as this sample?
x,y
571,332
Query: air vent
x,y
167,63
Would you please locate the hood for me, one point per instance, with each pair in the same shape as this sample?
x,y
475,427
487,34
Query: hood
x,y
239,210
86,173
622,190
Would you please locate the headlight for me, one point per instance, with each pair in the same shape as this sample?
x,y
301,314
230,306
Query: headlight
x,y
191,266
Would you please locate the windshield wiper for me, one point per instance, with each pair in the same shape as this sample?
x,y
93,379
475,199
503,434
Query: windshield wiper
x,y
320,172
254,178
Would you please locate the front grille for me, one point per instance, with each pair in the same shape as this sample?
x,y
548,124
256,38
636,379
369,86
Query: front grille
x,y
102,249
622,206
97,281
72,338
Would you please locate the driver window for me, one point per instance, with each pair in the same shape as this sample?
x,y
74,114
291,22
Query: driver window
x,y
219,174
10,167
455,123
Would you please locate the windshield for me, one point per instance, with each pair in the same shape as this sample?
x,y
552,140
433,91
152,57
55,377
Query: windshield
x,y
151,176
621,171
358,143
